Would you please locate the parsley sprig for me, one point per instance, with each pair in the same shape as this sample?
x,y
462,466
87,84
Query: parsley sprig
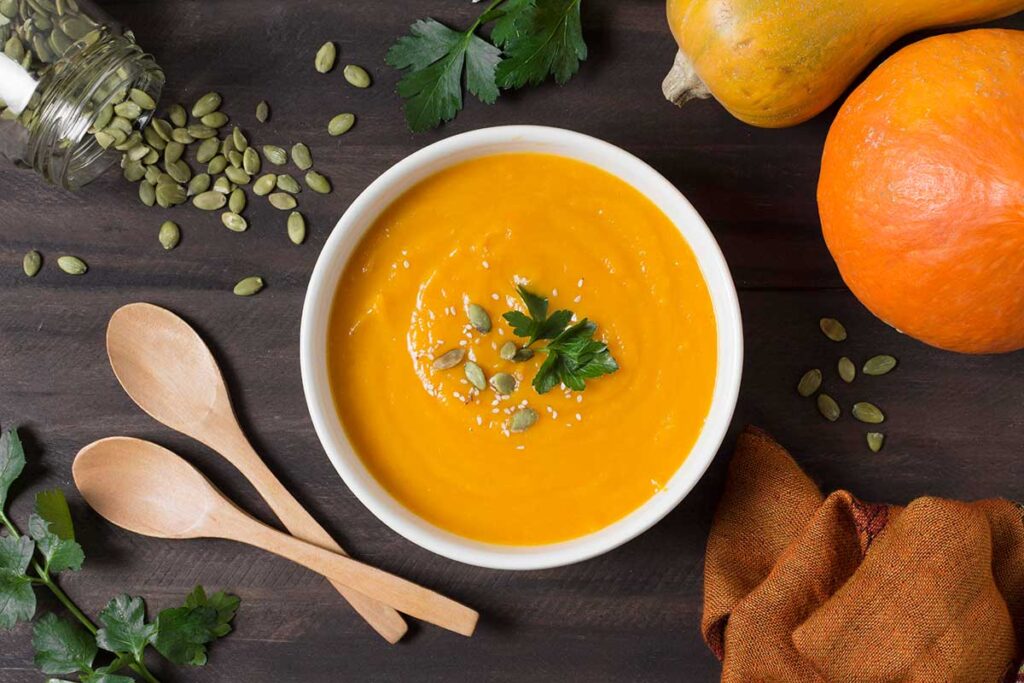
x,y
530,41
573,355
65,647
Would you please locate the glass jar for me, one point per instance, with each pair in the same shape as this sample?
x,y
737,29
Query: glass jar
x,y
74,86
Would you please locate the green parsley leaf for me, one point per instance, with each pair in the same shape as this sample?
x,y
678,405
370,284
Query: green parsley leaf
x,y
124,628
58,554
435,58
545,38
183,632
62,646
17,599
225,604
537,325
53,507
12,462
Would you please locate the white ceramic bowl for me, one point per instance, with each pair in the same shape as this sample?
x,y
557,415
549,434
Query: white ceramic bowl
x,y
361,215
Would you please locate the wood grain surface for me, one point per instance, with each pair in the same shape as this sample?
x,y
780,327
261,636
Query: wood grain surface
x,y
632,615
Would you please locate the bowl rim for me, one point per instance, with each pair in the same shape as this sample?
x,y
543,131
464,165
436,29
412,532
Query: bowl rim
x,y
350,229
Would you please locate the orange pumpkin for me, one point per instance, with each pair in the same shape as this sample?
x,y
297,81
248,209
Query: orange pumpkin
x,y
922,191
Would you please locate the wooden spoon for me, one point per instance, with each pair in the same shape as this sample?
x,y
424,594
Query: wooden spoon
x,y
170,373
145,488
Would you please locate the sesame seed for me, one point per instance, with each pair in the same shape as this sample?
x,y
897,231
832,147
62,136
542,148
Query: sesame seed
x,y
577,299
579,283
486,265
405,264
554,292
579,418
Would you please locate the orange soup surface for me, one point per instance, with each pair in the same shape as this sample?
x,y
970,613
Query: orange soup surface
x,y
590,243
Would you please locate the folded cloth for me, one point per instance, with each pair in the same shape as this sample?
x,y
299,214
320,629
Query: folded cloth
x,y
799,587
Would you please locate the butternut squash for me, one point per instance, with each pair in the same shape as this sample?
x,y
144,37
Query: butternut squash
x,y
777,63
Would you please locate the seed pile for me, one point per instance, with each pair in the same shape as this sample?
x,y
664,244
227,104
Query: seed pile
x,y
810,384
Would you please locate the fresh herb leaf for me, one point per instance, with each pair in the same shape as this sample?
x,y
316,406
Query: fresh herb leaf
x,y
58,554
62,646
12,462
124,627
17,599
225,604
53,507
183,632
547,40
537,325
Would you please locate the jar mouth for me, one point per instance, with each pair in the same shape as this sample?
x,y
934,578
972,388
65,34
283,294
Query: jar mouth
x,y
61,147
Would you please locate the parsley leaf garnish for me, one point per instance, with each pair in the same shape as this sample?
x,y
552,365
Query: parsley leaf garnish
x,y
530,40
573,355
52,530
124,626
62,646
17,599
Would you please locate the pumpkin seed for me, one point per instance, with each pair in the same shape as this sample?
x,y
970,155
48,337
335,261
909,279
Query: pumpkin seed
x,y
153,139
475,375
179,170
235,158
302,157
223,186
170,194
286,183
508,350
503,383
879,365
237,175
325,57
341,124
296,227
875,441
275,155
478,318
264,185
147,193
170,235
809,383
182,135
249,286
104,139
217,165
522,419
208,149
318,183
210,201
201,131
833,329
199,184
263,112
868,413
142,98
847,370
237,200
32,262
173,152
251,161
72,265
178,116
128,110
828,407
522,355
239,140
234,222
282,201
207,104
357,76
217,119
449,359
134,171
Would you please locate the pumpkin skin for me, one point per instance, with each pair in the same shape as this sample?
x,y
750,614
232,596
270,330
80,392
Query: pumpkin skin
x,y
777,63
921,192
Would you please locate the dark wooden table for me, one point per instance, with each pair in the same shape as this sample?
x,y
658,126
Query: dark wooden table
x,y
955,426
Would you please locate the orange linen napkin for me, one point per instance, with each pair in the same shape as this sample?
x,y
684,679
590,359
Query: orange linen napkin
x,y
803,588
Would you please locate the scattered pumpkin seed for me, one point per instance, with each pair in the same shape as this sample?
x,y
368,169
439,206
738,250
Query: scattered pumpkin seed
x,y
128,110
208,149
237,200
207,104
147,193
239,140
286,183
296,227
235,158
264,185
449,359
201,131
847,370
875,441
503,384
326,57
809,383
32,262
522,355
478,318
237,175
275,155
508,350
522,419
217,165
341,124
251,161
249,286
170,235
263,112
282,201
170,194
210,201
302,157
828,407
232,221
868,413
318,183
178,116
223,186
72,265
879,365
357,76
475,375
217,119
173,152
833,329
183,136
199,184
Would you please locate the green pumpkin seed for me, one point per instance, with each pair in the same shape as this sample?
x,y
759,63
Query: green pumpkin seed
x,y
234,222
134,171
809,383
302,157
32,262
182,135
833,329
275,155
263,112
147,193
251,161
153,139
217,119
199,184
179,170
508,350
217,165
296,227
207,104
128,110
162,128
879,365
170,235
341,124
223,186
478,318
449,359
264,185
828,407
357,76
237,175
151,158
173,151
249,286
170,194
875,441
235,158
475,375
522,419
210,201
239,140
201,132
503,383
104,139
282,201
208,149
178,116
237,200
522,355
847,370
318,183
142,98
868,413
286,183
326,57
72,265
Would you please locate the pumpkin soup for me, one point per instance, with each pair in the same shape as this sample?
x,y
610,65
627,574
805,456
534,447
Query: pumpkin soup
x,y
445,412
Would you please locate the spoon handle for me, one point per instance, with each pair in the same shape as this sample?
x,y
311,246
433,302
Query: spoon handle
x,y
233,445
400,594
